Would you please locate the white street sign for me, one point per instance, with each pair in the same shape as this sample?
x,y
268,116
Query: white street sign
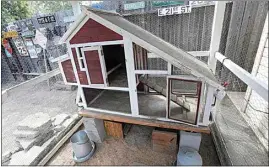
x,y
174,10
40,39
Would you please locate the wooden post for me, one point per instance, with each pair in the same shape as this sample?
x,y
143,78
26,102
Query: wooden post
x,y
216,33
129,57
46,67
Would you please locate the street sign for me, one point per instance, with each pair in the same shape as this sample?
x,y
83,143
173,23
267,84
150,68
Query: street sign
x,y
20,46
174,10
40,39
8,49
10,34
46,19
133,6
166,3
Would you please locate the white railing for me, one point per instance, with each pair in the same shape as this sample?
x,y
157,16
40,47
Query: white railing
x,y
255,83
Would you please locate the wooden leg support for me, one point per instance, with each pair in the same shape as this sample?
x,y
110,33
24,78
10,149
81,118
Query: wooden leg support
x,y
114,129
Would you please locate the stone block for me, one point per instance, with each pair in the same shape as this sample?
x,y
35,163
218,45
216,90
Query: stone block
x,y
28,134
37,122
58,128
59,119
16,149
6,156
93,124
70,120
190,139
27,144
25,158
95,129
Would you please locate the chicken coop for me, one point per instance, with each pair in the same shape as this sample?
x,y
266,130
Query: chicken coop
x,y
113,63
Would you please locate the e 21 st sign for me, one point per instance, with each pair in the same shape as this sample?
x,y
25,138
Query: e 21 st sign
x,y
174,10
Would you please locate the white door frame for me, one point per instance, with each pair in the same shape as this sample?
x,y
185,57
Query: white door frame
x,y
102,63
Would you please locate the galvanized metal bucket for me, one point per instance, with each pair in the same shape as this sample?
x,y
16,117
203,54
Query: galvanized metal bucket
x,y
81,144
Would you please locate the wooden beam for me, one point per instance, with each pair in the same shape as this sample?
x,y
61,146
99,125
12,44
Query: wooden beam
x,y
255,83
143,121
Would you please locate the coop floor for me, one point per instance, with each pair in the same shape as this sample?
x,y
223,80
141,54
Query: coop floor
x,y
134,149
149,105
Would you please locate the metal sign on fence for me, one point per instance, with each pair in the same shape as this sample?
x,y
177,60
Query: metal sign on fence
x,y
10,34
166,3
174,10
133,6
46,19
40,39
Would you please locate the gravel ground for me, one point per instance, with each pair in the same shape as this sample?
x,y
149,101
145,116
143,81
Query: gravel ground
x,y
31,100
134,149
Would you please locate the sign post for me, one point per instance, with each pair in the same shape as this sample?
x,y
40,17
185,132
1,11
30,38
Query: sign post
x,y
42,41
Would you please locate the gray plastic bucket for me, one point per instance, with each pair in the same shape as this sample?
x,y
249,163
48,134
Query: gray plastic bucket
x,y
81,144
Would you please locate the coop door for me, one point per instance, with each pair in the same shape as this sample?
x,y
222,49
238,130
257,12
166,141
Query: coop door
x,y
94,66
183,98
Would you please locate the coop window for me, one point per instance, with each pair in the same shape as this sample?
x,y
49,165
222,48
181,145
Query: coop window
x,y
81,59
183,99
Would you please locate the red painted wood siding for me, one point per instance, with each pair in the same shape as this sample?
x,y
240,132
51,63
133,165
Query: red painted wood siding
x,y
68,71
94,67
81,74
93,31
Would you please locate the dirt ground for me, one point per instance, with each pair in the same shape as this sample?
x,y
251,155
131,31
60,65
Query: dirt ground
x,y
134,149
31,100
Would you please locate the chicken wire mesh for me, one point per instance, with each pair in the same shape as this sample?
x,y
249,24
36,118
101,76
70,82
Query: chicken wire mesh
x,y
190,32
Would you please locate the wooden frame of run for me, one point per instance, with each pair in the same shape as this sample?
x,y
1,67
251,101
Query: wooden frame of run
x,y
198,93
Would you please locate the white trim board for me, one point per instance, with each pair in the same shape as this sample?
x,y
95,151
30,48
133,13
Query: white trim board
x,y
253,82
193,53
104,43
153,72
106,88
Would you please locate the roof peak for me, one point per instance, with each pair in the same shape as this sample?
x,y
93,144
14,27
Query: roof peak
x,y
87,8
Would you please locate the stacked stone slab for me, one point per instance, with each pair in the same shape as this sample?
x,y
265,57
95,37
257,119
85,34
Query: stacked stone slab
x,y
34,130
36,153
95,129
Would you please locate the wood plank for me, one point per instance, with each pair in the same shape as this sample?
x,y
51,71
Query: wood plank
x,y
143,121
114,129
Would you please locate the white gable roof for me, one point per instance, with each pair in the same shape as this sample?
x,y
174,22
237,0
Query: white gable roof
x,y
152,43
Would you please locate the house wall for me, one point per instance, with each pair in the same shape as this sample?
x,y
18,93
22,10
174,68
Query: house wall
x,y
68,71
93,31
